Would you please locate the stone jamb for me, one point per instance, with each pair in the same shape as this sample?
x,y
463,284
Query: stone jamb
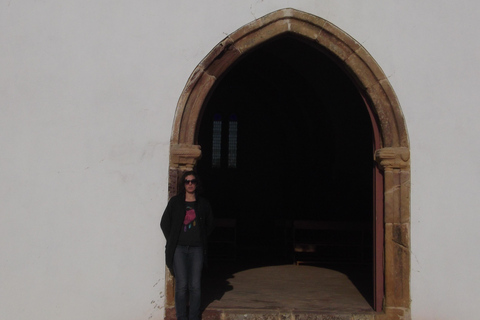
x,y
393,157
395,163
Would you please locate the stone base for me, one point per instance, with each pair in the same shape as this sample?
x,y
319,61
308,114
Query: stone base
x,y
248,314
280,315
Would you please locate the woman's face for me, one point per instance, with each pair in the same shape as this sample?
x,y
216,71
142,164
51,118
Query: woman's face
x,y
190,183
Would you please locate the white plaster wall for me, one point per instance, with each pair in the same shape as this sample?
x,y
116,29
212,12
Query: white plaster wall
x,y
88,91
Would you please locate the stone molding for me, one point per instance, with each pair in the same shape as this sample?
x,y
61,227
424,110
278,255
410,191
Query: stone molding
x,y
325,36
184,156
393,158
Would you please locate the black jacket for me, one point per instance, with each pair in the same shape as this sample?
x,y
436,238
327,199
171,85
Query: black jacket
x,y
172,222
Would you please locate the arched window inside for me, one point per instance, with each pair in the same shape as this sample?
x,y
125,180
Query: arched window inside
x,y
224,149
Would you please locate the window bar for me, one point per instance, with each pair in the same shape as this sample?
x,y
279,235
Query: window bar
x,y
232,141
217,140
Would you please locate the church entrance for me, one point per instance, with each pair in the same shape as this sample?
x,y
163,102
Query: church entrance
x,y
276,134
298,137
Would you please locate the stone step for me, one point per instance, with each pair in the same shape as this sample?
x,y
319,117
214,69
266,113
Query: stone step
x,y
245,314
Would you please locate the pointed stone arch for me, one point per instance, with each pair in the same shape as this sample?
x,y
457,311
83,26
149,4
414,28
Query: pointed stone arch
x,y
392,157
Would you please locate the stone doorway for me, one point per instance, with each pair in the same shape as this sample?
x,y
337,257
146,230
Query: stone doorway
x,y
391,142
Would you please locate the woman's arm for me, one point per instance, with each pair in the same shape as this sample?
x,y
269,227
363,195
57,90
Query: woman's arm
x,y
166,222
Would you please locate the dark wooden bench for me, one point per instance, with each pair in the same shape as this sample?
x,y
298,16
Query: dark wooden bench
x,y
329,241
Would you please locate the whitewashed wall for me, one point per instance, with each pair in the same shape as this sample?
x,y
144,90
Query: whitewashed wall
x,y
88,91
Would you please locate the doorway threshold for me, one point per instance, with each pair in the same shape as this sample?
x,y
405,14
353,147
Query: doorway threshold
x,y
284,292
243,314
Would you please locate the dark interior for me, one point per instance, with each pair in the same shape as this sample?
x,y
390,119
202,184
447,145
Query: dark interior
x,y
304,153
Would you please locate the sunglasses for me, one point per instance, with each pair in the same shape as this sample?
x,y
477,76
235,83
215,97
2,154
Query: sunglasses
x,y
193,181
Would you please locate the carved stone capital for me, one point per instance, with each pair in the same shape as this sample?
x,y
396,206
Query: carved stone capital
x,y
393,158
184,156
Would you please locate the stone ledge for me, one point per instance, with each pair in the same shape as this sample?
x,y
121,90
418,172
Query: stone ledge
x,y
252,314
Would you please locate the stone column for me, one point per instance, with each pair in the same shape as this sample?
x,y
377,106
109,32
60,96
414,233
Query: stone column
x,y
396,165
182,158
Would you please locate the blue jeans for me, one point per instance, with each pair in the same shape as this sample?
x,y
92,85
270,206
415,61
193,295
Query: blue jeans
x,y
187,266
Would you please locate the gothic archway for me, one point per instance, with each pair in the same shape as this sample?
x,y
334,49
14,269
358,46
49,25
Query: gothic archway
x,y
392,156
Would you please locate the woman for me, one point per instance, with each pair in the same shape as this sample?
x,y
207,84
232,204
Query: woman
x,y
186,223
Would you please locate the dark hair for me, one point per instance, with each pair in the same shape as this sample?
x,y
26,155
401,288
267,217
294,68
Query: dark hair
x,y
182,181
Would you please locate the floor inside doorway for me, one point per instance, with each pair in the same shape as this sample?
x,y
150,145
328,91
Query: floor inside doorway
x,y
285,288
